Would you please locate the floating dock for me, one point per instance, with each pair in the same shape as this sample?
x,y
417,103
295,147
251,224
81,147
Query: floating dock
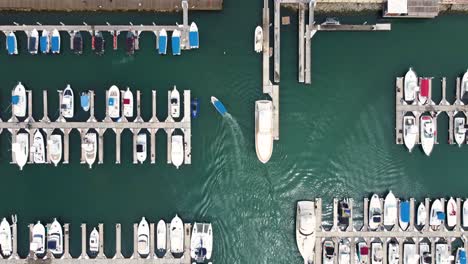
x,y
29,124
402,108
412,234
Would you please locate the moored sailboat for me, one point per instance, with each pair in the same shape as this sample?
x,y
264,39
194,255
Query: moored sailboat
x,y
390,210
161,234
452,213
20,149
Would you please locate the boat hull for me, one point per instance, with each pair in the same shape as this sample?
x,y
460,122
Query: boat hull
x,y
20,149
177,150
410,132
6,242
258,43
305,230
141,147
390,210
421,215
177,235
175,103
161,235
19,100
113,104
459,131
452,213
410,86
128,103
54,145
38,148
375,212
68,106
143,237
428,134
264,130
218,106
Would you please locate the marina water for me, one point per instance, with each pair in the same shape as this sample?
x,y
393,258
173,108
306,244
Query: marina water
x,y
336,135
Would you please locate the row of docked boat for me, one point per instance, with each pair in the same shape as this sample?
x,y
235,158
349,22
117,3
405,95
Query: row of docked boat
x,y
416,90
50,42
426,133
47,42
412,254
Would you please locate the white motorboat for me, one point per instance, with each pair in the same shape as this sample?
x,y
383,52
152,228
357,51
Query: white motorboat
x,y
175,103
437,215
201,243
141,147
390,210
54,145
344,252
143,237
328,252
410,255
442,254
90,148
67,107
55,238
375,212
37,244
6,241
377,253
465,214
177,235
393,253
421,215
460,256
428,134
460,130
161,234
113,103
425,253
38,148
362,253
20,149
94,242
258,45
264,130
177,150
404,212
128,103
410,86
464,85
305,227
452,212
410,132
19,100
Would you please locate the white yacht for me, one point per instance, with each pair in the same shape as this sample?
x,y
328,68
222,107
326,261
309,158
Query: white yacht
x,y
38,148
20,149
305,229
393,253
161,233
428,134
377,253
175,103
410,255
328,252
421,215
55,238
201,243
177,235
452,213
390,210
425,253
6,240
258,45
464,85
465,214
460,130
177,150
437,215
375,212
90,147
264,130
19,100
54,146
410,132
442,254
113,103
94,242
128,103
141,147
67,107
410,86
143,237
344,252
38,239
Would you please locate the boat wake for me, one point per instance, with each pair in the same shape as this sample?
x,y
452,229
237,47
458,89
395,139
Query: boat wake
x,y
237,136
124,60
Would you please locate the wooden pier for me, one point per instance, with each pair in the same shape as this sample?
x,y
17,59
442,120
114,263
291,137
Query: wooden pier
x,y
413,234
14,125
434,109
100,257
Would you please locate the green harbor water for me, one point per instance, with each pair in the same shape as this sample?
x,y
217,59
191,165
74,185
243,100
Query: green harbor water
x,y
336,135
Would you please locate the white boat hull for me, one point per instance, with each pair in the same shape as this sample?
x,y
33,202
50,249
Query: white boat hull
x,y
305,229
38,148
452,212
128,103
94,241
410,132
68,106
410,86
113,104
177,150
90,148
421,215
465,214
464,85
161,234
143,237
264,130
390,210
459,130
375,212
20,149
37,244
428,134
54,145
177,235
6,242
19,108
258,37
141,147
434,221
175,103
55,236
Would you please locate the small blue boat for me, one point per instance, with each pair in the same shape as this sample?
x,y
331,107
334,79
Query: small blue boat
x,y
11,44
84,99
55,41
176,42
162,42
195,107
45,41
193,36
404,214
461,256
218,105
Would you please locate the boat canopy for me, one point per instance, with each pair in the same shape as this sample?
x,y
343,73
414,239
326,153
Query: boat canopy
x,y
11,44
405,211
55,43
84,100
176,45
126,101
462,256
424,87
111,101
44,41
440,215
193,39
162,44
15,99
52,244
364,250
